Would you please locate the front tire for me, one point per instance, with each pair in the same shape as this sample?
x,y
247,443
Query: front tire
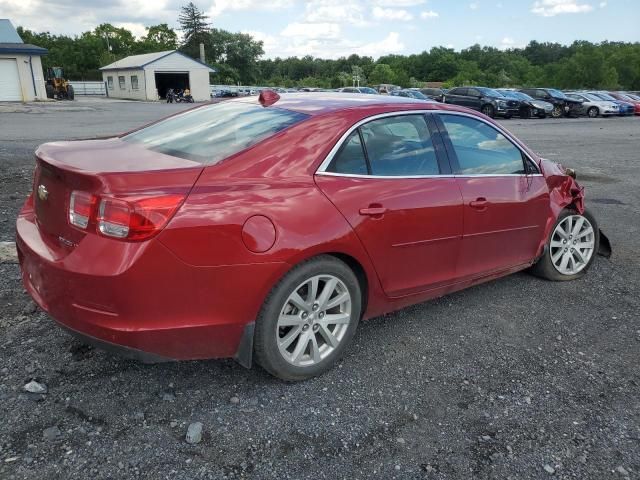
x,y
571,248
557,111
71,94
488,110
593,112
308,319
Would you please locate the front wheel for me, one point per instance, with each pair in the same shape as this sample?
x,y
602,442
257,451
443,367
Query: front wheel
x,y
557,111
488,110
308,319
593,112
71,94
571,247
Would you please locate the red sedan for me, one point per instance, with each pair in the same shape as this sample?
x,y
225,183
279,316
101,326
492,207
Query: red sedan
x,y
628,97
268,228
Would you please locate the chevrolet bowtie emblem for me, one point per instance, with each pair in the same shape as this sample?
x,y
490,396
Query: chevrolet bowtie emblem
x,y
43,193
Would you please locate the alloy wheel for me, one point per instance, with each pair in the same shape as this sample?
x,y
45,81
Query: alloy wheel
x,y
313,320
572,244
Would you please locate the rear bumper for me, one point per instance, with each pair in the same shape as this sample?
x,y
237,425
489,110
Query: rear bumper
x,y
142,300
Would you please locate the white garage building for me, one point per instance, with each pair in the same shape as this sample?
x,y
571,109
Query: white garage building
x,y
21,78
148,76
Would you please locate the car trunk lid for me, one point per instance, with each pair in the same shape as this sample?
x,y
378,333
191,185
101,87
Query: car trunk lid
x,y
100,167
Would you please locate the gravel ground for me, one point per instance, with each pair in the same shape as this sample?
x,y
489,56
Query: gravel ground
x,y
515,379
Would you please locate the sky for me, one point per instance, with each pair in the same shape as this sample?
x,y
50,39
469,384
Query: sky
x,y
334,28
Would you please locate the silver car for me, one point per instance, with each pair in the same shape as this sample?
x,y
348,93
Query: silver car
x,y
593,106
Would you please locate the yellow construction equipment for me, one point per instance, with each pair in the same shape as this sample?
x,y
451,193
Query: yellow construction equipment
x,y
57,86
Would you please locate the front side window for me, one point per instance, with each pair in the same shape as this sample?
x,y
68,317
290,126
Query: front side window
x,y
212,133
134,82
121,82
481,149
400,146
110,83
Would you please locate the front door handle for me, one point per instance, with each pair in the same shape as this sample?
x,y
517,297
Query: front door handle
x,y
373,210
479,204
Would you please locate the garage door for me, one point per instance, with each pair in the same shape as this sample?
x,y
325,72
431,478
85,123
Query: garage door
x,y
9,81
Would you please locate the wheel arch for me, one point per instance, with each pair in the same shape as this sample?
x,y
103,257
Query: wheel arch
x,y
244,352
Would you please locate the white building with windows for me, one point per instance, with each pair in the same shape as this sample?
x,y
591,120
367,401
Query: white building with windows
x,y
149,76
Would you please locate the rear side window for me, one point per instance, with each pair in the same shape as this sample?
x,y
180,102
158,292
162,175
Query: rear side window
x,y
481,149
212,133
400,146
350,158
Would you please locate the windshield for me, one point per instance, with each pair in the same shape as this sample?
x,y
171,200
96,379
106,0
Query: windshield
x,y
212,133
418,95
605,96
523,96
556,93
590,96
367,90
490,92
508,94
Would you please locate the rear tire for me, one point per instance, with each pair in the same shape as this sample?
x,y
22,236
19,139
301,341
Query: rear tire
x,y
571,247
308,319
50,92
593,112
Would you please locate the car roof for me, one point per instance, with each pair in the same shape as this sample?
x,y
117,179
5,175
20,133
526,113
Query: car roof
x,y
316,103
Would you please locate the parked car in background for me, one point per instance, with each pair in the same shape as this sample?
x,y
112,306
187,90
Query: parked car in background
x,y
409,93
485,100
367,90
562,105
593,106
529,107
625,108
436,94
115,241
626,97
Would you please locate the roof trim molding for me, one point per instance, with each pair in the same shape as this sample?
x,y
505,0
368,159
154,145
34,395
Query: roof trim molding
x,y
142,66
22,49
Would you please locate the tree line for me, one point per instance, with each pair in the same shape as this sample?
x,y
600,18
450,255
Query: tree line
x,y
237,57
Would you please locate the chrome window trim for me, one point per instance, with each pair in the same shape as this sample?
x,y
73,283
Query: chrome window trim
x,y
404,177
321,170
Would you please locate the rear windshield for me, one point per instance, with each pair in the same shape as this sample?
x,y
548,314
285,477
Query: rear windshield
x,y
212,133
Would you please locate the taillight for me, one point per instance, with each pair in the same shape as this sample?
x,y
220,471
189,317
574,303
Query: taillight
x,y
113,218
80,208
126,218
136,219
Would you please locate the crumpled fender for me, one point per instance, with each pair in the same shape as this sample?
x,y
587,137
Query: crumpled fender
x,y
564,191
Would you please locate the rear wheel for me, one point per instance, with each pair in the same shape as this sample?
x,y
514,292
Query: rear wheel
x,y
571,247
308,319
50,92
593,112
488,110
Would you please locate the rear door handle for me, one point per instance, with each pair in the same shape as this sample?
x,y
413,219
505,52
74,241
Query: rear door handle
x,y
480,204
373,210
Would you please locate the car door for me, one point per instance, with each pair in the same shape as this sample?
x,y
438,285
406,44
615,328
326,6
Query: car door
x,y
390,179
473,99
506,199
457,96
